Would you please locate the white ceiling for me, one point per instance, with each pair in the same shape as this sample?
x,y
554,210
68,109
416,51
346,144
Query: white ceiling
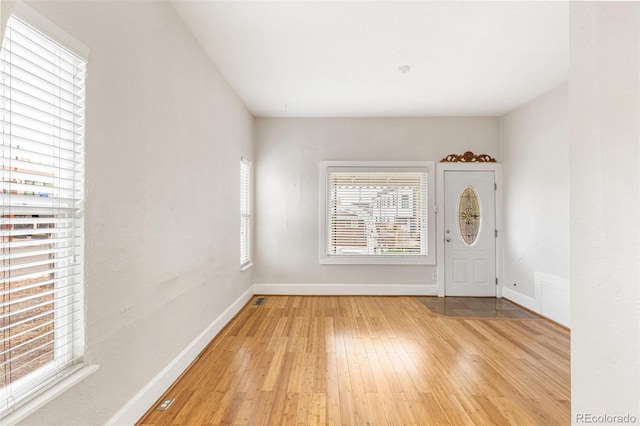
x,y
341,59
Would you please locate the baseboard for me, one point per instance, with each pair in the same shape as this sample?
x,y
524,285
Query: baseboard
x,y
346,289
143,400
551,301
521,299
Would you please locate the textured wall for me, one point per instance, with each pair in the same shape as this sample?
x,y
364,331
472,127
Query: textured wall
x,y
534,146
604,105
288,152
165,134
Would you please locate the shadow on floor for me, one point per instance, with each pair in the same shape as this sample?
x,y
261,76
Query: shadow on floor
x,y
474,307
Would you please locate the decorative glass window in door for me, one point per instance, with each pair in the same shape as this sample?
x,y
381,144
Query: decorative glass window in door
x,y
469,215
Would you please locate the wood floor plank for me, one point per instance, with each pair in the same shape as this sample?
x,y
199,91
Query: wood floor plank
x,y
303,415
319,365
350,360
389,372
318,412
376,409
347,409
274,371
404,408
230,409
295,376
332,390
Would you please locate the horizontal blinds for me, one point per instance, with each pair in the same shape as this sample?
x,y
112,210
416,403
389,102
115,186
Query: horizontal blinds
x,y
245,212
41,199
376,213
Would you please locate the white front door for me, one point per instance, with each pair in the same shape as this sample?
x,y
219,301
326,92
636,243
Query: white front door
x,y
469,233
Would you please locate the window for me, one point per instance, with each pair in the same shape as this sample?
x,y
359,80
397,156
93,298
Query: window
x,y
469,218
376,212
41,234
245,213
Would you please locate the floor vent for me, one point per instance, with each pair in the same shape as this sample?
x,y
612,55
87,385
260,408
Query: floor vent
x,y
260,301
164,405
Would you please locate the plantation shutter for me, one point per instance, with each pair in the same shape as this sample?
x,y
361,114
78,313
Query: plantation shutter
x,y
376,213
245,212
41,237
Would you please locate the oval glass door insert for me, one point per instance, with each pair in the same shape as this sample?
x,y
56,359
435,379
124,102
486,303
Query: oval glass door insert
x,y
469,215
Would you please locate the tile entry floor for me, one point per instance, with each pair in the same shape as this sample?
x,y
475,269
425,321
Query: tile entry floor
x,y
476,307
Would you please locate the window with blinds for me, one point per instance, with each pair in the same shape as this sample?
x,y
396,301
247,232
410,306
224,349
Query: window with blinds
x,y
375,212
245,213
41,235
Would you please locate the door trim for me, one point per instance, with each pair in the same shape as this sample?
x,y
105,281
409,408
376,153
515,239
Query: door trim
x,y
441,168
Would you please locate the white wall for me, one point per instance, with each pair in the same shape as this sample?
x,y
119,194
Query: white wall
x,y
604,101
5,11
534,149
288,152
165,134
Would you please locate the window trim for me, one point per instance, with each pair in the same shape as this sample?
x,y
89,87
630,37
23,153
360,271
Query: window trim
x,y
49,29
426,166
246,264
33,398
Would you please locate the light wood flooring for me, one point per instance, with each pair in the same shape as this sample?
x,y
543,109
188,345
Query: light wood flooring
x,y
373,361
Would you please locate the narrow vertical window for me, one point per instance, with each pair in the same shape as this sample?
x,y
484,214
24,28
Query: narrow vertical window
x,y
245,213
42,98
469,216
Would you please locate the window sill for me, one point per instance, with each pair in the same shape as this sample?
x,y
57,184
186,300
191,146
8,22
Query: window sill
x,y
376,260
30,407
246,267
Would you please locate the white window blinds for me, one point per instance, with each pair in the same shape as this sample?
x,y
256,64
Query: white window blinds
x,y
41,237
245,212
376,213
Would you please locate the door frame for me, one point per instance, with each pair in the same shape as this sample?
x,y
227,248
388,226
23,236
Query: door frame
x,y
441,168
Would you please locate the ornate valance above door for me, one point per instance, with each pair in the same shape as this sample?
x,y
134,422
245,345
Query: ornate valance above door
x,y
468,157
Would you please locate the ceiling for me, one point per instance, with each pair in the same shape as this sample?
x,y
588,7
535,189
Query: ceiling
x,y
342,59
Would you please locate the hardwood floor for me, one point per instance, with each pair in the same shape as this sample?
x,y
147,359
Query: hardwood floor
x,y
373,360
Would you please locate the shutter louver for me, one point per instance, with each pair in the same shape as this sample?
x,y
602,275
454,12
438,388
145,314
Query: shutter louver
x,y
376,213
41,233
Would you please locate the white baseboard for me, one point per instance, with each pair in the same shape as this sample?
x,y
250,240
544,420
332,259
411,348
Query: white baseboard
x,y
552,298
346,289
143,400
521,299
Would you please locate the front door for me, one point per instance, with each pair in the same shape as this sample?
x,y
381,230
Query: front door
x,y
469,232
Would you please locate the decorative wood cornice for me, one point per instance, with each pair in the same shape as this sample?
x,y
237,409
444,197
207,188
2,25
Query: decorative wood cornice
x,y
468,157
